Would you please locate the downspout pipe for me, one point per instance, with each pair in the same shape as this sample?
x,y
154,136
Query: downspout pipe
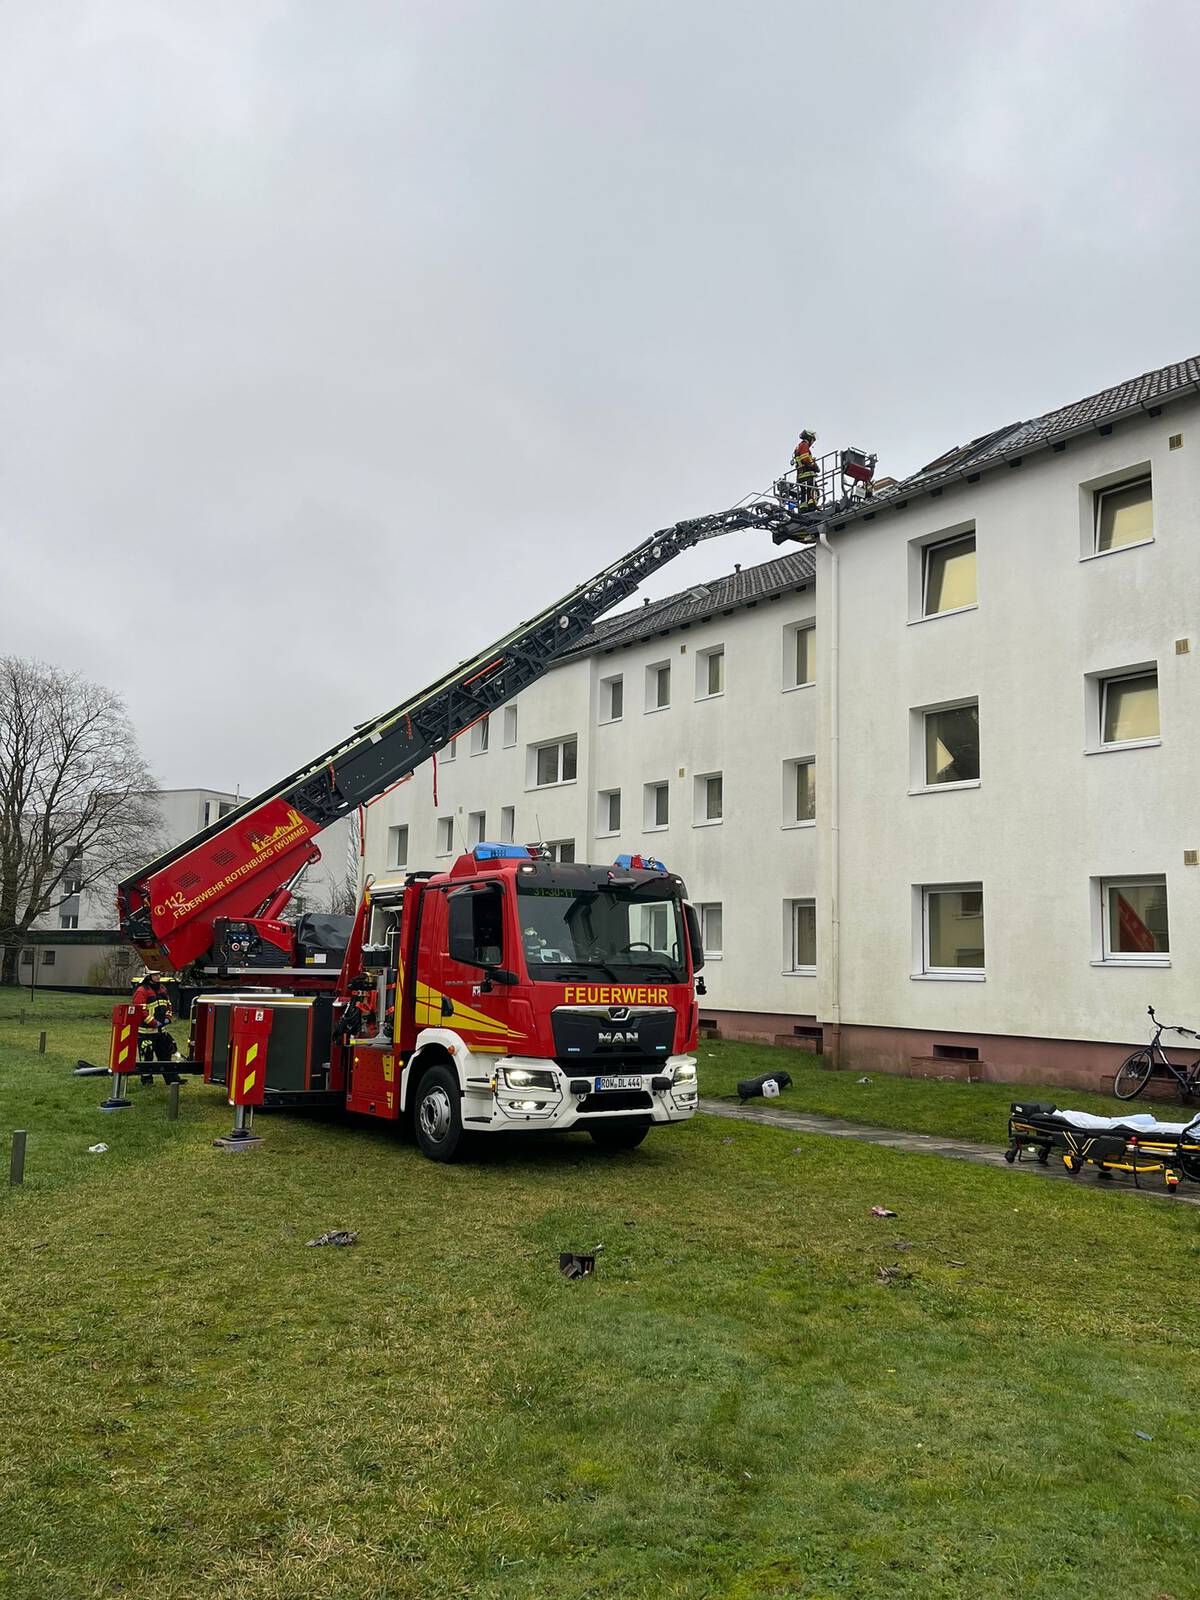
x,y
834,1054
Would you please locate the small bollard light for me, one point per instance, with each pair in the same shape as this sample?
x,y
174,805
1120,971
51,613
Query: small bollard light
x,y
42,1042
16,1162
173,1103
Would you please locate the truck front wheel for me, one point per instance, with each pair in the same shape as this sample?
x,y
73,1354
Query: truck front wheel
x,y
437,1115
619,1135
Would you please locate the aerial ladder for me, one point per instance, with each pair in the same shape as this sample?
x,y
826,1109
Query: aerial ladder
x,y
239,871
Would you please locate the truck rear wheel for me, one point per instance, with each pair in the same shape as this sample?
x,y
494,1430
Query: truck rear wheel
x,y
619,1135
437,1115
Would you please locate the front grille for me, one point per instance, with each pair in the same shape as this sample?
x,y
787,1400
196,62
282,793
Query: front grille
x,y
616,1100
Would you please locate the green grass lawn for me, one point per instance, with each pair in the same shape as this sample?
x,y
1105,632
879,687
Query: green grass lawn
x,y
198,1407
976,1111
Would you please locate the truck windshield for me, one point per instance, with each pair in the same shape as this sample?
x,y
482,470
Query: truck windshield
x,y
613,932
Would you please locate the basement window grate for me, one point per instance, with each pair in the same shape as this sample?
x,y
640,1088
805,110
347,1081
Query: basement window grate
x,y
956,1052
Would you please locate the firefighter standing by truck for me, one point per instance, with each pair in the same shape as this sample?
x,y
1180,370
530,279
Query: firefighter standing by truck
x,y
156,1047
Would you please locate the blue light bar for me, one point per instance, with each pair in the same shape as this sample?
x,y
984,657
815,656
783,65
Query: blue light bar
x,y
500,852
639,864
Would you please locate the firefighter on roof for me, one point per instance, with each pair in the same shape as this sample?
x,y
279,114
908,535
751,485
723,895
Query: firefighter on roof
x,y
806,468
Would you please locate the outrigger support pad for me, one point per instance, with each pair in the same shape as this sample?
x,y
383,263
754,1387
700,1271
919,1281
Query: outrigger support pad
x,y
241,1136
117,1101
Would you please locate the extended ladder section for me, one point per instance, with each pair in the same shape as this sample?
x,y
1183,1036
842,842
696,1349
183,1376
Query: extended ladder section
x,y
233,867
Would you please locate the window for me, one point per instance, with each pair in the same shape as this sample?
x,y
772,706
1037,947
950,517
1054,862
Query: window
x,y
476,828
480,734
1123,514
561,849
710,798
445,835
799,656
510,727
1134,918
949,581
658,686
508,824
397,846
799,792
800,938
68,920
710,672
26,958
49,957
711,930
609,816
224,807
1129,708
72,884
612,699
451,750
952,924
952,744
657,806
554,763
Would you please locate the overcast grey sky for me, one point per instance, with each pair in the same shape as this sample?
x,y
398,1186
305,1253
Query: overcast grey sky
x,y
336,338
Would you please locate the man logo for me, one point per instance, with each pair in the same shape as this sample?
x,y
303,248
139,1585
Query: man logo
x,y
618,1013
613,1039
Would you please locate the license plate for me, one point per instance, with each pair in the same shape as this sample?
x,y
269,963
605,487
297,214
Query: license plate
x,y
618,1083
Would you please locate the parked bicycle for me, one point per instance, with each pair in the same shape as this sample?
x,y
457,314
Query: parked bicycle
x,y
1137,1069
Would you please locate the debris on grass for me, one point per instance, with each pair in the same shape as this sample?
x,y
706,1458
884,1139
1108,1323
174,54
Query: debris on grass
x,y
767,1084
1148,1437
862,1080
335,1236
892,1275
97,1149
881,1211
576,1264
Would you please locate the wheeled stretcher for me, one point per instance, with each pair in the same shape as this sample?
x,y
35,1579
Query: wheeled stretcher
x,y
1138,1145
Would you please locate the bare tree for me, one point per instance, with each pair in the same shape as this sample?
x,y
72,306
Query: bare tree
x,y
75,792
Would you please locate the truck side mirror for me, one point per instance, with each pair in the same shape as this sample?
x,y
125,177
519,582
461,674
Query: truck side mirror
x,y
695,938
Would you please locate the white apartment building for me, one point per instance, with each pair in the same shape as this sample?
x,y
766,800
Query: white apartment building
x,y
952,827
1009,838
685,729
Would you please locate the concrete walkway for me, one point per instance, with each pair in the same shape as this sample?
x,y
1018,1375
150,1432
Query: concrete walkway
x,y
929,1144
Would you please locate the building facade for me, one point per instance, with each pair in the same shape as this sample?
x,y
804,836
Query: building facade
x,y
686,730
938,806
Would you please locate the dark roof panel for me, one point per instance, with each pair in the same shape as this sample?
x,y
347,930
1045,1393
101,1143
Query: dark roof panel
x,y
1019,438
702,600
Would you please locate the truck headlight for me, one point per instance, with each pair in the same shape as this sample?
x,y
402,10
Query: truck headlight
x,y
528,1078
685,1072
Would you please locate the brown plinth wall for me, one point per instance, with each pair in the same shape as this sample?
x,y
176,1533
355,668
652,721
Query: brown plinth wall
x,y
912,1052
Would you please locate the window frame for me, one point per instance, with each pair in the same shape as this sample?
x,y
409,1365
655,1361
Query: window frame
x,y
68,921
1108,957
509,732
449,751
1105,682
920,782
604,822
792,907
700,816
481,735
448,824
471,820
704,910
1097,492
949,974
791,781
650,807
704,660
397,834
508,824
654,670
930,549
615,681
560,744
791,649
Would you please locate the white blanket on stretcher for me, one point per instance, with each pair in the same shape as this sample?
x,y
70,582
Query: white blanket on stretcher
x,y
1142,1123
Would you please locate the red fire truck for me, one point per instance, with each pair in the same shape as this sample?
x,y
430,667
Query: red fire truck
x,y
511,992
